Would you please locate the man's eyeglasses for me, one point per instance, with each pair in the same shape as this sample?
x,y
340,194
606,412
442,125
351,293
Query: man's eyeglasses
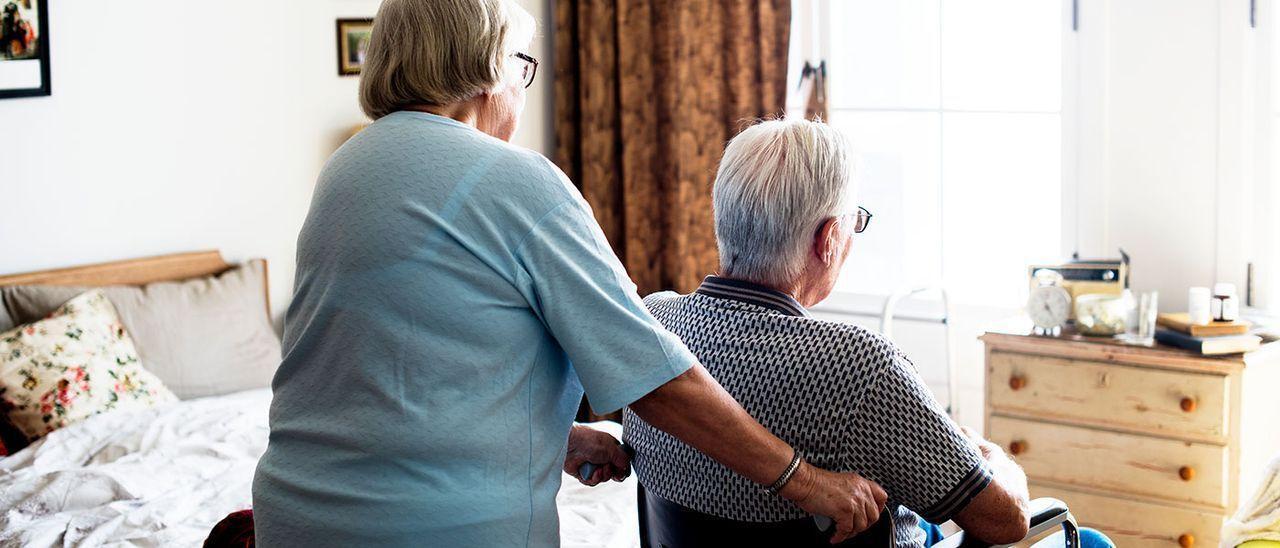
x,y
530,68
861,219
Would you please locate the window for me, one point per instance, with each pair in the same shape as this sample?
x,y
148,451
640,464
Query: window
x,y
1264,285
956,108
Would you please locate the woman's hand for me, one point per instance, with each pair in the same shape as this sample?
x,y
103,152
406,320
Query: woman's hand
x,y
599,448
852,501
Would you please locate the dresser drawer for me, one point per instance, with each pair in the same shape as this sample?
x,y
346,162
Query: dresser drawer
x,y
1138,524
1120,463
1162,402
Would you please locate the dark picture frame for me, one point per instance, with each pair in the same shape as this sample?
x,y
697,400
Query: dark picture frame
x,y
351,34
12,12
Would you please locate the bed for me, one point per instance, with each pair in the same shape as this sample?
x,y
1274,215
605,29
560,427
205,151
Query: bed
x,y
165,476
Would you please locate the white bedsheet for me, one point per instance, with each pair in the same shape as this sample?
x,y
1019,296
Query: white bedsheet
x,y
163,477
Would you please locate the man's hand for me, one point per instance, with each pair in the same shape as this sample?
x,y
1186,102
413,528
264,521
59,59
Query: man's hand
x,y
985,447
852,501
599,448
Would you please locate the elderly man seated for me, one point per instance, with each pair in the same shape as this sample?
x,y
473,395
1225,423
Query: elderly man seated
x,y
846,398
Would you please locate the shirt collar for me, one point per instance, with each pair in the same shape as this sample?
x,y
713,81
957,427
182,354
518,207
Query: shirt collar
x,y
751,293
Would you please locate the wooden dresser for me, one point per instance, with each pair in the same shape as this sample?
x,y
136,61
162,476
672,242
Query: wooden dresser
x,y
1153,446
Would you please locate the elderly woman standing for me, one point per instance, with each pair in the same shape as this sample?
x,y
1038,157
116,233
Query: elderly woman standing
x,y
454,297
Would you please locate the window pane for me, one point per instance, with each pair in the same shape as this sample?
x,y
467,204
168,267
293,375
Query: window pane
x,y
898,183
883,54
1002,201
1271,11
1002,55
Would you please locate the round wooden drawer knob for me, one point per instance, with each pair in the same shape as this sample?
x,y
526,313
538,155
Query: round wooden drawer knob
x,y
1185,540
1187,473
1188,404
1017,382
1017,447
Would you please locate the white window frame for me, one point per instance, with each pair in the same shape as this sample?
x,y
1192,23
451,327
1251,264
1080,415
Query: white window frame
x,y
811,42
1247,193
1248,232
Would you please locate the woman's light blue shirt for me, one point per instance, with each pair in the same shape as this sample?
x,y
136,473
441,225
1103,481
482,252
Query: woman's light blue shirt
x,y
454,296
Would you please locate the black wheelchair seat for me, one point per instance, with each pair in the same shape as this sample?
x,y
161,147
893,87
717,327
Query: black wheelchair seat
x,y
665,524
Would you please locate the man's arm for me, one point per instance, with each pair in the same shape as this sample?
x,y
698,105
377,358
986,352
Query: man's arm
x,y
930,464
724,431
999,513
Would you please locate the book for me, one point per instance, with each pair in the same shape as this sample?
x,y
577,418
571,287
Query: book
x,y
1209,346
1181,321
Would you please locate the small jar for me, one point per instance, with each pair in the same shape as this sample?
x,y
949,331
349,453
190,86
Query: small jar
x,y
1225,306
1198,299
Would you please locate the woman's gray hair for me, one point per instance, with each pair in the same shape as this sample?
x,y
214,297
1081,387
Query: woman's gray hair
x,y
437,52
778,182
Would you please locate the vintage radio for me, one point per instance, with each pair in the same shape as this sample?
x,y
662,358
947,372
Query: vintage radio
x,y
1085,276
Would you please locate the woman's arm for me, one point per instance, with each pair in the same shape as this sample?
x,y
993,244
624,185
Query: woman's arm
x,y
696,409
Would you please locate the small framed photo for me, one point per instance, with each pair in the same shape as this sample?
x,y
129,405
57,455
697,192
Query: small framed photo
x,y
24,48
353,42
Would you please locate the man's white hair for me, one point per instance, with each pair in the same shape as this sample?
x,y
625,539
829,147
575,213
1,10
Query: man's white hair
x,y
437,52
778,182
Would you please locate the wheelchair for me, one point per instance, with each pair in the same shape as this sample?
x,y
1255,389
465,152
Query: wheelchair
x,y
664,524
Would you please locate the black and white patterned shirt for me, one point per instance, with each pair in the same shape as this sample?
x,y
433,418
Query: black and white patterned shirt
x,y
846,398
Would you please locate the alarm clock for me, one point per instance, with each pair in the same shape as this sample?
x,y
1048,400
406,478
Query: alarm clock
x,y
1049,305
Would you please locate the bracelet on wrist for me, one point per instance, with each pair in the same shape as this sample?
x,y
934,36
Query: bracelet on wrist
x,y
786,476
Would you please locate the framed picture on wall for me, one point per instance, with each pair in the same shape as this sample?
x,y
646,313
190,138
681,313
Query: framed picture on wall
x,y
24,48
353,42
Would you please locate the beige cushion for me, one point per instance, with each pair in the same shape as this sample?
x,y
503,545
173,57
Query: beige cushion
x,y
202,337
6,323
76,363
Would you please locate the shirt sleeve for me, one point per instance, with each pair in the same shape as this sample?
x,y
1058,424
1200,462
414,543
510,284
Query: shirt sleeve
x,y
913,449
589,304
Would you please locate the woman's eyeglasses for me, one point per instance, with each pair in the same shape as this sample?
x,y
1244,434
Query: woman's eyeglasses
x,y
530,68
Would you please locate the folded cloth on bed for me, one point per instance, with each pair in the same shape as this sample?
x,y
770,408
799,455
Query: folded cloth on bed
x,y
1259,517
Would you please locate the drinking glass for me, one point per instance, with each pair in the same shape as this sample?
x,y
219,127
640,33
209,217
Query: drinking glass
x,y
1148,303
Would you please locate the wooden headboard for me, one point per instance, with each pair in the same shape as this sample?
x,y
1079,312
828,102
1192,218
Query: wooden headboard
x,y
178,266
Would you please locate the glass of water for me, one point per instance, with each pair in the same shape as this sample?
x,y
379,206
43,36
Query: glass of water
x,y
1148,303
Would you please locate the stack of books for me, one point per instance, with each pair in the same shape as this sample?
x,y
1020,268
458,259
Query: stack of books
x,y
1211,339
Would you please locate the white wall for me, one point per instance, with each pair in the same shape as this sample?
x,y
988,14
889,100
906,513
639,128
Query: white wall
x,y
206,132
1162,170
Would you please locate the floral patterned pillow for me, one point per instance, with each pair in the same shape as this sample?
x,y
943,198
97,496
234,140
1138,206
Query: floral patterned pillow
x,y
77,362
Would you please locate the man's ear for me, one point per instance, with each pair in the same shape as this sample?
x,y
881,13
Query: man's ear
x,y
826,243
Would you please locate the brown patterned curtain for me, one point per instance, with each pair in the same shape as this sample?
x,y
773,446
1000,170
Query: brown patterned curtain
x,y
647,94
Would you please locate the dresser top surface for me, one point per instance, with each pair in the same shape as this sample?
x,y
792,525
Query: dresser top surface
x,y
1016,335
